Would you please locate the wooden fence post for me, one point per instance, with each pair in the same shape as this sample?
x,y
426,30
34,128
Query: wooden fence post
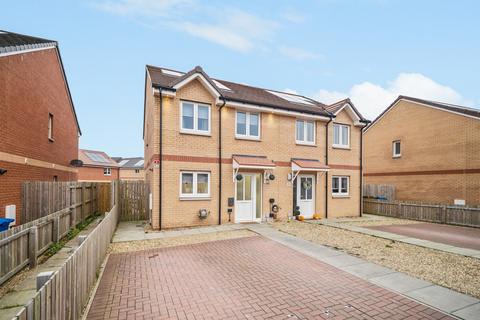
x,y
399,214
444,214
33,246
55,229
83,201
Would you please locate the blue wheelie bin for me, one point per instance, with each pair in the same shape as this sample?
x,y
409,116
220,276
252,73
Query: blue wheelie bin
x,y
4,223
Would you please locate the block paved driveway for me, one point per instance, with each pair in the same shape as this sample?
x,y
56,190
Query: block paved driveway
x,y
463,237
246,278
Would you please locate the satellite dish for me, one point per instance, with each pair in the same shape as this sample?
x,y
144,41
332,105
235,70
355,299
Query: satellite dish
x,y
76,163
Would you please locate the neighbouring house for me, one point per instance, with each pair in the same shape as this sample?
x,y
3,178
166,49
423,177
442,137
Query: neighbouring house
x,y
39,129
131,168
218,151
430,151
97,166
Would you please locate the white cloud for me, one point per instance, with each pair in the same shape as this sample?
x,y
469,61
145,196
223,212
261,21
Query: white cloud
x,y
371,99
149,8
299,54
292,16
233,28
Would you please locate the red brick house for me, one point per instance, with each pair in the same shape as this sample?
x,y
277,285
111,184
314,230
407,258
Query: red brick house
x,y
97,166
39,129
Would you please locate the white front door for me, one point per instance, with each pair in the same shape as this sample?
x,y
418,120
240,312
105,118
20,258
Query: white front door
x,y
246,198
306,195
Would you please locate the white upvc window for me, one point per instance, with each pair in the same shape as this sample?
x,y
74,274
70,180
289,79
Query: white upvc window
x,y
247,125
107,171
305,132
194,184
341,136
340,186
396,149
195,118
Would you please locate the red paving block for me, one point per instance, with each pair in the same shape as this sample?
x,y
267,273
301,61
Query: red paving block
x,y
246,278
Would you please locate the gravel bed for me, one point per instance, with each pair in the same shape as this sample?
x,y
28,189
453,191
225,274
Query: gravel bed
x,y
387,221
456,272
177,241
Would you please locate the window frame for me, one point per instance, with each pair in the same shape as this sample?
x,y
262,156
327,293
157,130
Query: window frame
x,y
50,127
305,131
195,129
247,135
107,171
340,194
340,145
394,154
194,194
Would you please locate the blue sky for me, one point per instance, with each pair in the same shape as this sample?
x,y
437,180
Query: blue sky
x,y
370,50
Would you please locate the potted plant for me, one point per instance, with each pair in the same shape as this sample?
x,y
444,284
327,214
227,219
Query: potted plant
x,y
296,212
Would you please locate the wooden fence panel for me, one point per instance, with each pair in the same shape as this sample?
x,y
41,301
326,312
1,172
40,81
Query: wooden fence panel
x,y
20,247
462,216
133,202
379,191
66,293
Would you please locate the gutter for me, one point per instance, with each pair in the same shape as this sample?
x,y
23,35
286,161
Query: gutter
x,y
366,122
220,160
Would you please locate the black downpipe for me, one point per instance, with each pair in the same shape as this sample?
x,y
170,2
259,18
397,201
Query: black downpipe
x,y
361,164
220,162
326,163
160,164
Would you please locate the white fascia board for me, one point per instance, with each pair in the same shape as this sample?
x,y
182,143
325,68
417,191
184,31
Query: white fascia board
x,y
251,107
236,165
4,54
202,79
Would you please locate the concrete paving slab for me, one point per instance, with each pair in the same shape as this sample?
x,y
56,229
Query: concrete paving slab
x,y
342,260
16,298
400,282
367,270
469,313
10,313
442,298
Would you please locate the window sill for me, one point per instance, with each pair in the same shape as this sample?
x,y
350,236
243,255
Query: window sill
x,y
195,133
184,198
340,196
341,147
51,140
397,157
306,144
247,138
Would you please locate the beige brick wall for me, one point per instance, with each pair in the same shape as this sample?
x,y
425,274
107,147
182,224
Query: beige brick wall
x,y
277,143
431,140
132,174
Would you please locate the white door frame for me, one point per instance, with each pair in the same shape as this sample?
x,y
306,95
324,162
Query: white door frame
x,y
253,200
313,200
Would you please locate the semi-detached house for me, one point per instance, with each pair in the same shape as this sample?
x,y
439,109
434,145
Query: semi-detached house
x,y
218,152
